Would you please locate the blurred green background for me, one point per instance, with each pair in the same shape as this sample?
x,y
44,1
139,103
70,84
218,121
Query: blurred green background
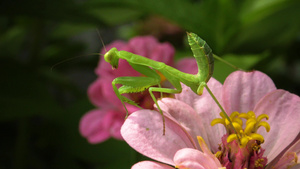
x,y
46,67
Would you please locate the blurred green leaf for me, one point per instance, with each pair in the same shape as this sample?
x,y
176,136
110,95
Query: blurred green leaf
x,y
229,26
23,94
244,62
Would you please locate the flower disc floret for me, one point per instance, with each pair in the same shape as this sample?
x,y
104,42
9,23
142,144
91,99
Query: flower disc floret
x,y
243,135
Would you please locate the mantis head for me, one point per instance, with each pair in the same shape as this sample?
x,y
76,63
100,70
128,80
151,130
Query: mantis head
x,y
112,58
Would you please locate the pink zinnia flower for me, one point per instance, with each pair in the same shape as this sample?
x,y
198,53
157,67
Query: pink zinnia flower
x,y
105,121
249,98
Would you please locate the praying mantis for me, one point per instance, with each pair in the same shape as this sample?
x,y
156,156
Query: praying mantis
x,y
149,68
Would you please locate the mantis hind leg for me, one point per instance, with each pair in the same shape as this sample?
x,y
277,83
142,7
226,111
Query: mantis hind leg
x,y
162,90
176,83
204,85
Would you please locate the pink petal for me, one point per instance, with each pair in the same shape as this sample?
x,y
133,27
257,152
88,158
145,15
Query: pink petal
x,y
143,131
116,127
207,151
187,65
185,116
143,45
297,166
295,147
208,110
187,96
163,53
283,109
101,93
150,165
243,90
96,125
194,159
95,92
286,161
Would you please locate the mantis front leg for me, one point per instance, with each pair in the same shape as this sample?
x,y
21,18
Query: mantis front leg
x,y
132,85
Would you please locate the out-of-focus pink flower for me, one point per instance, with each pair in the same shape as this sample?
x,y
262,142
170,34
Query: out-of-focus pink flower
x,y
249,95
94,125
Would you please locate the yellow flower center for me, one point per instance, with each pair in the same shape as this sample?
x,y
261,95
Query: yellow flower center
x,y
243,135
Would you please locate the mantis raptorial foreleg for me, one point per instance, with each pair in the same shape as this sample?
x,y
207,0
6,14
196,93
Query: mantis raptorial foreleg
x,y
135,84
132,85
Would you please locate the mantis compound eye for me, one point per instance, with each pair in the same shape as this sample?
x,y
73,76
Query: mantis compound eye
x,y
112,58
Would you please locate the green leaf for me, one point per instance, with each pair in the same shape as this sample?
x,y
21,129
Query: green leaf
x,y
245,62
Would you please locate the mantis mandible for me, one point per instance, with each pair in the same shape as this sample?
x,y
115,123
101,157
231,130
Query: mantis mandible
x,y
205,61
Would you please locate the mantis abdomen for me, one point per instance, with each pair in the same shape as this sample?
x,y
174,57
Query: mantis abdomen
x,y
203,55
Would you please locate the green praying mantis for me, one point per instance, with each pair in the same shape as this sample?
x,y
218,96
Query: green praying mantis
x,y
205,61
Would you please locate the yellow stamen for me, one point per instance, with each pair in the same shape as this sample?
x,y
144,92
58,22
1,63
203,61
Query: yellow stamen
x,y
234,114
231,137
255,136
251,127
244,115
262,116
216,121
251,114
237,120
237,126
244,141
264,124
250,121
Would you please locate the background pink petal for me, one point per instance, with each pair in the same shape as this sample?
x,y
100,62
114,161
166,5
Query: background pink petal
x,y
283,109
95,93
101,93
243,90
143,45
164,53
187,65
96,125
150,165
143,131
